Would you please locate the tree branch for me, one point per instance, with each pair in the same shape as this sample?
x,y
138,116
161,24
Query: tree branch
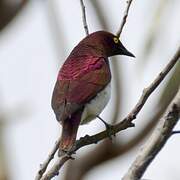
x,y
44,166
124,18
124,124
84,17
156,142
54,171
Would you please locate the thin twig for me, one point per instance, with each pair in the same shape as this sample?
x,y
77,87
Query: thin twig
x,y
54,171
44,166
124,18
84,17
126,122
156,142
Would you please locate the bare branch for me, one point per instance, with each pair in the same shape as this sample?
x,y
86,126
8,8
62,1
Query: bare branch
x,y
124,18
84,17
44,166
126,122
54,171
156,142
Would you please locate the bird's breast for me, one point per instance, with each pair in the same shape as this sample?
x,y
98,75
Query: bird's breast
x,y
96,105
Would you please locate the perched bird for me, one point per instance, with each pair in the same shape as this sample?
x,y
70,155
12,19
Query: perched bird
x,y
83,85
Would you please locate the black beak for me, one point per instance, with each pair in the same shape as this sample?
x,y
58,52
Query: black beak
x,y
125,52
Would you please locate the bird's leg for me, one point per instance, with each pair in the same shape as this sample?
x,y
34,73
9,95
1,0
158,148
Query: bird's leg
x,y
108,127
175,132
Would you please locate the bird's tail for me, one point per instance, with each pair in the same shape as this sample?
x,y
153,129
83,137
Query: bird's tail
x,y
69,132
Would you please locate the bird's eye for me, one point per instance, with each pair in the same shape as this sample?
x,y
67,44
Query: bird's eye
x,y
116,40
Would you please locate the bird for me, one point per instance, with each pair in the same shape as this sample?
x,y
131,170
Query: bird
x,y
83,85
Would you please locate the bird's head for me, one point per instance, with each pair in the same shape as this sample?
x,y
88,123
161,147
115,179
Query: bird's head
x,y
107,43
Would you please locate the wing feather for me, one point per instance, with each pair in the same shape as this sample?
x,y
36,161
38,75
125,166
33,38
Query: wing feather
x,y
78,83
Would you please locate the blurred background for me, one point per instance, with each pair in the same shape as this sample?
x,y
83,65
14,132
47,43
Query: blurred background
x,y
35,39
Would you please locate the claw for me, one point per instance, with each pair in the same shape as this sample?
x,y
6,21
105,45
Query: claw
x,y
66,153
61,153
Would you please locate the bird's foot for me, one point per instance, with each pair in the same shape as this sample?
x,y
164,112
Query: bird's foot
x,y
66,153
61,153
109,128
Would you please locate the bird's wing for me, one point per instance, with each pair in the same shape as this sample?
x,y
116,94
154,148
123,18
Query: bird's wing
x,y
78,82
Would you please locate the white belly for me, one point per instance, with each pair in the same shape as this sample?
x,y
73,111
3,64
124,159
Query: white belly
x,y
96,105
